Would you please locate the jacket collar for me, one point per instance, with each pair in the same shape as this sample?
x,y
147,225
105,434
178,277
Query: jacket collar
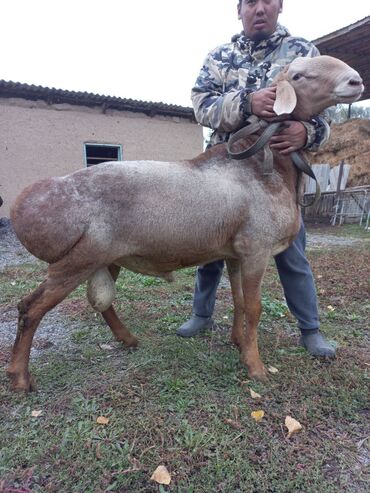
x,y
259,49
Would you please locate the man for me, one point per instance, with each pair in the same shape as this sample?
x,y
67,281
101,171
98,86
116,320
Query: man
x,y
233,85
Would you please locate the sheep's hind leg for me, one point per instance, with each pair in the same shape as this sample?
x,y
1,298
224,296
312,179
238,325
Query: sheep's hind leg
x,y
120,331
32,308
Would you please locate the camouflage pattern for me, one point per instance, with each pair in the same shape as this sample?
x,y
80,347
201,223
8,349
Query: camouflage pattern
x,y
234,70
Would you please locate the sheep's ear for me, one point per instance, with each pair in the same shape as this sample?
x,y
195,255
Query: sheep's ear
x,y
286,98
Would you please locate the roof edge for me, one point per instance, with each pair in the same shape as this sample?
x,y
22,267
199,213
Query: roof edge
x,y
342,30
52,95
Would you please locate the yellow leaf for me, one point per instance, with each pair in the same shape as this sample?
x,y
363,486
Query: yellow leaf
x,y
102,420
254,394
293,425
257,415
272,369
36,414
161,475
331,308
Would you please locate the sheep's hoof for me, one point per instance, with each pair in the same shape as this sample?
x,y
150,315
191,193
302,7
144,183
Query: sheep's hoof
x,y
258,373
235,341
131,342
22,383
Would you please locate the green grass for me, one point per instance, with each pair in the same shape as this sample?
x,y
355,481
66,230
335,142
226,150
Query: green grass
x,y
169,401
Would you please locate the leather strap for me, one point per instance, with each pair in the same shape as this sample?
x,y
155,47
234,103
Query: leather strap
x,y
255,124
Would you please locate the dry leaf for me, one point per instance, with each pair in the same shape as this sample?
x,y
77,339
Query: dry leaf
x,y
293,425
233,424
102,420
36,414
161,475
254,394
106,347
257,415
272,369
236,412
331,308
98,452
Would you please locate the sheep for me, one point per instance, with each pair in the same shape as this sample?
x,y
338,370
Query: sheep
x,y
156,217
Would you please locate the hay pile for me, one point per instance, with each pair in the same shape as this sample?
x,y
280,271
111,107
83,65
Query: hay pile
x,y
349,141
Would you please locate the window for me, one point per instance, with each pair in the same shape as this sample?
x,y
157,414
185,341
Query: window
x,y
100,153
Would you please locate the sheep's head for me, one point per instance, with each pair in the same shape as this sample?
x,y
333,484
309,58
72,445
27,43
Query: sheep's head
x,y
309,85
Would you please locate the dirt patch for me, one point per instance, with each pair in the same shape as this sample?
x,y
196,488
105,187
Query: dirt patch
x,y
12,251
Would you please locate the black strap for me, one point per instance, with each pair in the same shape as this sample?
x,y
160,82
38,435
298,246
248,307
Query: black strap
x,y
255,124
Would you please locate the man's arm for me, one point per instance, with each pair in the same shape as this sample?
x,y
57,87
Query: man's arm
x,y
213,107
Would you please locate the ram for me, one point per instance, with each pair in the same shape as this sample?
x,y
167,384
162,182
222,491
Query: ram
x,y
155,217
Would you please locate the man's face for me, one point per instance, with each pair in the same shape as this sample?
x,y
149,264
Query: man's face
x,y
259,17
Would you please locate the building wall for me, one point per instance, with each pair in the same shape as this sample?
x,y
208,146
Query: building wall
x,y
38,140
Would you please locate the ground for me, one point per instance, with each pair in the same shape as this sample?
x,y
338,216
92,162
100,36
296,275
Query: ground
x,y
186,404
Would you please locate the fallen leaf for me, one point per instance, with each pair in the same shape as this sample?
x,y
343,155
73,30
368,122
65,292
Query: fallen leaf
x,y
272,369
293,425
257,415
102,420
106,347
161,475
236,412
319,276
233,424
254,394
36,414
331,308
98,452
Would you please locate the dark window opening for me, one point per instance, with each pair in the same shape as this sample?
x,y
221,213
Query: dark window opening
x,y
100,153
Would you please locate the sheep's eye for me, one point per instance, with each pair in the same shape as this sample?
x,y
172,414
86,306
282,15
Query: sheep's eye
x,y
297,76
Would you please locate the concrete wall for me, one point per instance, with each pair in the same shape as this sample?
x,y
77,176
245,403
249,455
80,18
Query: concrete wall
x,y
38,140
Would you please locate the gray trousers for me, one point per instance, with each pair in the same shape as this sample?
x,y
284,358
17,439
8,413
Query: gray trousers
x,y
295,276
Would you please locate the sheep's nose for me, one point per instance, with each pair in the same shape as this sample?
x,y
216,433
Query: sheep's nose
x,y
355,80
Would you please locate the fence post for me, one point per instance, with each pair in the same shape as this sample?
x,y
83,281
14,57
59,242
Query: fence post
x,y
340,175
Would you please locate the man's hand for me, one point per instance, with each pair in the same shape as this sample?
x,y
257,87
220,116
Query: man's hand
x,y
262,102
291,138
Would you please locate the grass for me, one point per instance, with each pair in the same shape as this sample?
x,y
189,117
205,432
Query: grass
x,y
186,403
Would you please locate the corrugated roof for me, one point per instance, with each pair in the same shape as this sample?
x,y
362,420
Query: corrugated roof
x,y
9,89
352,45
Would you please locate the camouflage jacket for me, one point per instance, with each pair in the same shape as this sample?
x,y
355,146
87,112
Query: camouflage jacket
x,y
234,70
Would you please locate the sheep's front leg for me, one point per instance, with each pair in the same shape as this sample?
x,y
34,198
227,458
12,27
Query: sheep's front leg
x,y
234,271
252,275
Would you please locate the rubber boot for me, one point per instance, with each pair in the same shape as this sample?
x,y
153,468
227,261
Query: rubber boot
x,y
316,344
194,326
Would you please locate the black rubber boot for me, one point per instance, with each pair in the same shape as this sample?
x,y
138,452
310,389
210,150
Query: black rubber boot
x,y
194,326
316,344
